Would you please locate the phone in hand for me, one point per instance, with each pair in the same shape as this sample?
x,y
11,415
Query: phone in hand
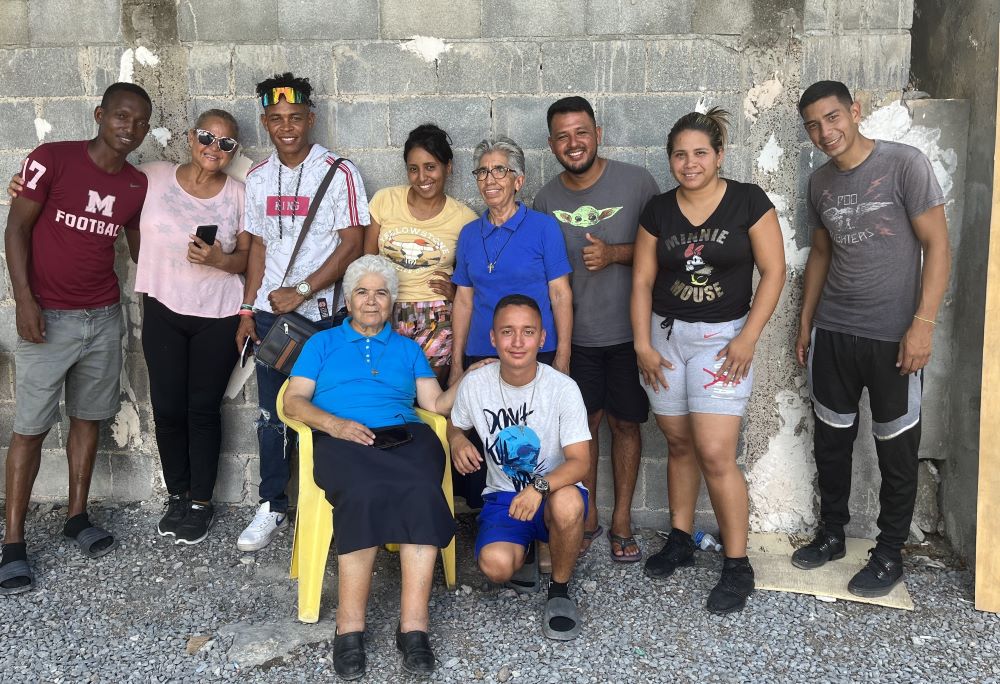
x,y
206,234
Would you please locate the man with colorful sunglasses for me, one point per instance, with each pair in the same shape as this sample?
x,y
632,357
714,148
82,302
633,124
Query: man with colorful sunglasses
x,y
279,192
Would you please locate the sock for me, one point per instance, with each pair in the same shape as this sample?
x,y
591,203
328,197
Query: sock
x,y
13,552
75,525
560,623
558,589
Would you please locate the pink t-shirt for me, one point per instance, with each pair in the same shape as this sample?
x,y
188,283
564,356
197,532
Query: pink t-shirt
x,y
169,216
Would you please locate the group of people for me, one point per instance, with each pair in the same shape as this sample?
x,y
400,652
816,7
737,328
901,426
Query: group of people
x,y
527,326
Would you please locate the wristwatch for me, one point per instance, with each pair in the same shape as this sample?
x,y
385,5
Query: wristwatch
x,y
540,484
304,289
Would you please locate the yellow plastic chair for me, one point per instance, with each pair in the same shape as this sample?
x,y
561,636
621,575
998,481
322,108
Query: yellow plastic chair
x,y
314,520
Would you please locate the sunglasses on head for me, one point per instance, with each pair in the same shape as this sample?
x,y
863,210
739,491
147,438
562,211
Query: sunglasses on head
x,y
206,138
291,95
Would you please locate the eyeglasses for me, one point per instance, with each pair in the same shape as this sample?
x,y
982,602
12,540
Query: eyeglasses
x,y
291,95
206,138
497,172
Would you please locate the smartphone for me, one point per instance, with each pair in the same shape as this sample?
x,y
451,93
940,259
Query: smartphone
x,y
206,234
389,437
247,351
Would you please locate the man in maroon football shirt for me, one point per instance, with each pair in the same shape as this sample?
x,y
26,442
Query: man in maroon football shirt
x,y
60,242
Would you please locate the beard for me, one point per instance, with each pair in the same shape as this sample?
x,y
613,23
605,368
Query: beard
x,y
581,167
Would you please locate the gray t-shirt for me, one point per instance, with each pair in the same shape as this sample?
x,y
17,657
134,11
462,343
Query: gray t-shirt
x,y
523,429
608,210
873,284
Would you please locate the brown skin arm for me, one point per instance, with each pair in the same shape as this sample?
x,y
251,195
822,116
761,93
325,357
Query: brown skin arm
x,y
299,406
817,266
372,231
461,319
599,254
644,269
17,243
285,299
233,262
931,230
561,296
254,278
526,503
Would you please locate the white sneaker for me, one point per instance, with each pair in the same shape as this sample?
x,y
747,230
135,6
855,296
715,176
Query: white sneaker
x,y
261,529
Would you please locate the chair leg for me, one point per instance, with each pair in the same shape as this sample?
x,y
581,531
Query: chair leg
x,y
314,530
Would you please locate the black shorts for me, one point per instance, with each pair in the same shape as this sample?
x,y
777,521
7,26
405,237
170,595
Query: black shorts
x,y
609,380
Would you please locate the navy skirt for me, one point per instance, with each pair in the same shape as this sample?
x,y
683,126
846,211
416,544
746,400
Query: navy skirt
x,y
384,496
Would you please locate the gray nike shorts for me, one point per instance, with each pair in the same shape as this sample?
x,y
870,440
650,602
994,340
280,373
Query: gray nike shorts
x,y
695,385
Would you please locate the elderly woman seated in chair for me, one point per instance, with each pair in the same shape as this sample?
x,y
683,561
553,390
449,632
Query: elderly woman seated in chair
x,y
380,467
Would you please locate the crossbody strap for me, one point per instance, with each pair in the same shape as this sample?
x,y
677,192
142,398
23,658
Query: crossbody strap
x,y
313,208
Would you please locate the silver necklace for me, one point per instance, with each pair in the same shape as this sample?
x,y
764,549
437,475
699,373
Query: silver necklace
x,y
531,400
281,214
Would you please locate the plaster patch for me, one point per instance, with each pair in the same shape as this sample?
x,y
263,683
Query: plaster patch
x,y
795,257
893,123
162,135
701,106
769,158
126,66
145,57
424,47
126,429
782,496
42,128
761,97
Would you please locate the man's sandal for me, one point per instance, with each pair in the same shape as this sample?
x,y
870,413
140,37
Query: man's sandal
x,y
89,538
14,570
623,544
561,621
588,538
527,579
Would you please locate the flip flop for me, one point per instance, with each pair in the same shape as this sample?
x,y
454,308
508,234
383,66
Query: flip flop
x,y
527,579
89,537
563,607
624,543
13,570
588,539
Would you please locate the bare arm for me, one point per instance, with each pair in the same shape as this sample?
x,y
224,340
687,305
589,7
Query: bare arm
x,y
598,254
465,457
461,319
371,237
430,397
299,406
817,266
561,296
17,242
254,278
133,239
931,230
233,262
644,270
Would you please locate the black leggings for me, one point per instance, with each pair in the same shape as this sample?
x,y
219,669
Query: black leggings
x,y
189,360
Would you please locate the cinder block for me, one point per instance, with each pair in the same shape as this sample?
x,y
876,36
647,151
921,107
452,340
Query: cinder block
x,y
439,18
91,21
226,20
654,485
208,70
512,18
231,483
594,66
493,68
18,128
14,23
138,376
133,475
382,69
70,119
40,72
522,119
693,64
239,432
629,155
8,333
642,121
104,68
722,17
462,185
6,377
628,18
359,125
465,119
863,61
321,20
820,15
254,63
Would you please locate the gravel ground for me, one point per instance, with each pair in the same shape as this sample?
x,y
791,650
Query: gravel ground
x,y
155,612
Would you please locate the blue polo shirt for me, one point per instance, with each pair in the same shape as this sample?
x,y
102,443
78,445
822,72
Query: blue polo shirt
x,y
528,251
340,361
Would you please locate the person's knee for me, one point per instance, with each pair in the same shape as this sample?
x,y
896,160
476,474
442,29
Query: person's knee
x,y
564,508
498,567
31,442
623,428
717,461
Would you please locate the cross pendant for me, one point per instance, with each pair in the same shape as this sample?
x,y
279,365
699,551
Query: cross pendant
x,y
490,268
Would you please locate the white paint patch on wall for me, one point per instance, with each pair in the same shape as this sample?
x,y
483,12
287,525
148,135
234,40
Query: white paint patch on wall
x,y
761,97
701,106
782,497
893,122
42,128
126,430
795,257
769,159
424,47
126,66
162,135
145,57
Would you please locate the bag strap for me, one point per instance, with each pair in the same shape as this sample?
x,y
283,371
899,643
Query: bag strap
x,y
313,208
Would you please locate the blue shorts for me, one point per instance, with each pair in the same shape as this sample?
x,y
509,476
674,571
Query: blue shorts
x,y
496,525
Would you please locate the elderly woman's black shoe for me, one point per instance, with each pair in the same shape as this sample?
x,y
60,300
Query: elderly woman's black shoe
x,y
418,658
349,658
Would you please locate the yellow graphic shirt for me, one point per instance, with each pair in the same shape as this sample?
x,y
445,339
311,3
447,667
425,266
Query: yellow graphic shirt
x,y
417,248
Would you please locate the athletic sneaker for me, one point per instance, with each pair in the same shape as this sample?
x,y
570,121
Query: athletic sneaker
x,y
195,526
878,577
677,552
734,587
175,509
261,529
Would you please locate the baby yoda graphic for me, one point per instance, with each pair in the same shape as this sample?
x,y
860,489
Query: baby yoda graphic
x,y
585,216
696,266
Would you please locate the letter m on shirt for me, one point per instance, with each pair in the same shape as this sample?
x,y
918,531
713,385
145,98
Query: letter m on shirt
x,y
100,205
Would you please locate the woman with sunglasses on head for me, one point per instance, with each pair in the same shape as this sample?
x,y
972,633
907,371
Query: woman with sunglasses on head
x,y
416,227
192,253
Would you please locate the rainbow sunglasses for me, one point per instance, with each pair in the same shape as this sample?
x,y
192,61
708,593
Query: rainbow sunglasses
x,y
291,95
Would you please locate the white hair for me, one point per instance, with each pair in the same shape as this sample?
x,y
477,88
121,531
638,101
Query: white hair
x,y
371,263
515,155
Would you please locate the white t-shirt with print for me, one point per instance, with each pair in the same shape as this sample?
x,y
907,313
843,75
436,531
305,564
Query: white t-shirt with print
x,y
278,218
523,429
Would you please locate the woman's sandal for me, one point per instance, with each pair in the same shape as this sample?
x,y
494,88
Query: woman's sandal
x,y
588,538
624,543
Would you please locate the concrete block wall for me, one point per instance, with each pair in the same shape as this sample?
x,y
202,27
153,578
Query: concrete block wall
x,y
477,68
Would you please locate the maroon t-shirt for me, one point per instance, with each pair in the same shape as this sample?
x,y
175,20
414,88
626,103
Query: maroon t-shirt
x,y
84,208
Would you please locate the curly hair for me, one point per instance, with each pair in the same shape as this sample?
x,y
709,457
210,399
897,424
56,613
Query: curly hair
x,y
286,80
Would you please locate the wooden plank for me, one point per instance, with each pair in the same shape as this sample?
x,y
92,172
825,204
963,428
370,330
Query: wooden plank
x,y
988,503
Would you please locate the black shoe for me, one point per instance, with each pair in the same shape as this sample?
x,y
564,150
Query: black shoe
x,y
194,527
349,658
734,587
825,547
418,658
175,510
878,577
677,552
